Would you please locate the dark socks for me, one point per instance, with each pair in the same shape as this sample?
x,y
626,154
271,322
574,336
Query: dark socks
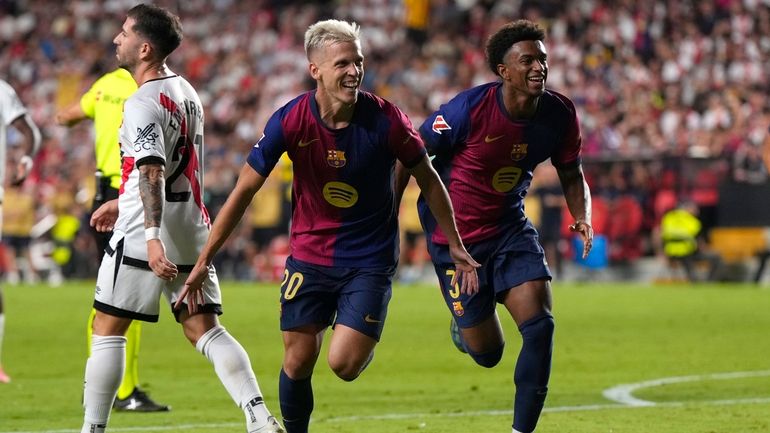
x,y
296,398
533,369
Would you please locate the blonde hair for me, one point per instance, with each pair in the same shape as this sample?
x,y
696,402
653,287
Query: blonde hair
x,y
329,32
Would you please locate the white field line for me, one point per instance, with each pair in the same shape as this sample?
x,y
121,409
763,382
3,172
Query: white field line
x,y
620,394
623,393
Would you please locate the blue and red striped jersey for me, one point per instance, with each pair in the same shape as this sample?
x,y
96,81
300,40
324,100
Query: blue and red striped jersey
x,y
486,159
344,210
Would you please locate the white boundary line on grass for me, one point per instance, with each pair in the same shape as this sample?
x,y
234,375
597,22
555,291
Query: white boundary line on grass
x,y
620,394
623,393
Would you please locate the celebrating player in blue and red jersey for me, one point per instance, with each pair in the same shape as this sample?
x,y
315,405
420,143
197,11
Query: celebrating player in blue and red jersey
x,y
344,144
487,141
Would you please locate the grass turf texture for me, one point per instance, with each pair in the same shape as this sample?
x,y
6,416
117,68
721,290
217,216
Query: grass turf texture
x,y
606,335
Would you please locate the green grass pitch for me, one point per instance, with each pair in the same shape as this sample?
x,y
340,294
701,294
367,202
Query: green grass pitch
x,y
699,356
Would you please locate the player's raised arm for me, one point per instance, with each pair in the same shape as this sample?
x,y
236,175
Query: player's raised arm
x,y
438,200
249,183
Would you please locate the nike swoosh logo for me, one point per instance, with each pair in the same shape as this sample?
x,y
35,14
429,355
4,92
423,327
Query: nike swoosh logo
x,y
369,319
305,143
489,139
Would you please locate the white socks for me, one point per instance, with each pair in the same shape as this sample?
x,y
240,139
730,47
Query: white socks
x,y
232,365
104,370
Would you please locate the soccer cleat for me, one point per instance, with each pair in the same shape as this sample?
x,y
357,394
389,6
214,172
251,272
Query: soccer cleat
x,y
272,426
4,378
457,337
139,401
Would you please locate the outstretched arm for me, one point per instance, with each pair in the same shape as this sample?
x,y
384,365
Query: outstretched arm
x,y
70,115
249,182
578,197
438,200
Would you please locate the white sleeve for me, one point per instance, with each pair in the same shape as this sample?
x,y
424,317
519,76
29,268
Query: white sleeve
x,y
143,132
10,104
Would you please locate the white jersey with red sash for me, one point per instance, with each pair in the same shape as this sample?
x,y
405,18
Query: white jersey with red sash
x,y
163,124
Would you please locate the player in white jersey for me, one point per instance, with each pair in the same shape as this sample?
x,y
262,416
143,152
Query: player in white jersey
x,y
13,113
160,225
163,123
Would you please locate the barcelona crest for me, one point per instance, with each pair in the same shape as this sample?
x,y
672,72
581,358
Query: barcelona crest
x,y
519,151
336,158
457,306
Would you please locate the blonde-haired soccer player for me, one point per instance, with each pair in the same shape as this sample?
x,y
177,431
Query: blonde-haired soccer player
x,y
344,144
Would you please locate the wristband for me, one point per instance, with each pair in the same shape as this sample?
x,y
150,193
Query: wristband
x,y
151,233
26,160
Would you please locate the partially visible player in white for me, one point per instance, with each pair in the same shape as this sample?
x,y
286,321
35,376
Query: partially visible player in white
x,y
160,225
13,113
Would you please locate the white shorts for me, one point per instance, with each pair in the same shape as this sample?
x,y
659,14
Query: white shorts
x,y
126,287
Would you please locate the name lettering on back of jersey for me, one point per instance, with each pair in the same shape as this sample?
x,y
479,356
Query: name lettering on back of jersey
x,y
177,118
146,138
193,109
519,151
439,124
336,158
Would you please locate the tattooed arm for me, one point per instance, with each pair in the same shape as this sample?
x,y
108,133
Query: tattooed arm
x,y
152,192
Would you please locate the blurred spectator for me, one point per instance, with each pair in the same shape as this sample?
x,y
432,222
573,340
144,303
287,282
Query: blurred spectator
x,y
18,220
683,243
414,258
748,166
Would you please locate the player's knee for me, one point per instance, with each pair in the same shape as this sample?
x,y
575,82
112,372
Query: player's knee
x,y
191,336
538,329
488,358
348,369
298,367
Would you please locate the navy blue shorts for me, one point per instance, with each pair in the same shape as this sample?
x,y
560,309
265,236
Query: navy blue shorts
x,y
506,261
357,297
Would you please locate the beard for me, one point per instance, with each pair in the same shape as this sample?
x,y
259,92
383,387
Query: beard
x,y
125,62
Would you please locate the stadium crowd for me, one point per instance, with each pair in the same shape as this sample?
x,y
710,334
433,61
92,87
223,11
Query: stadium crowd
x,y
671,97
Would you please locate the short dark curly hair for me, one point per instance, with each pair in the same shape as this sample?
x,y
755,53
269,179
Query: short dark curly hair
x,y
161,27
501,41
